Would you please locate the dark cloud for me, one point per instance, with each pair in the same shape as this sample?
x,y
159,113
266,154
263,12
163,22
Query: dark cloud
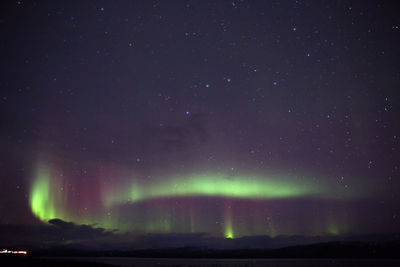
x,y
74,231
167,138
56,233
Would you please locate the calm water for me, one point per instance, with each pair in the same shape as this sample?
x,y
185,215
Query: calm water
x,y
141,262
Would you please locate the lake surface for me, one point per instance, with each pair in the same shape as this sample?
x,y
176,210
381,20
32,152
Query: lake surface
x,y
142,262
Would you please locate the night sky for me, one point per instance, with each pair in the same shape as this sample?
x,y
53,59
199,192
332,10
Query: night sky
x,y
225,118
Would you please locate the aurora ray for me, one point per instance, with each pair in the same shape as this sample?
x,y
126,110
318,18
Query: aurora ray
x,y
228,228
43,199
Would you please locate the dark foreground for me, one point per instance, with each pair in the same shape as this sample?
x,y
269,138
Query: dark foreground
x,y
142,262
322,254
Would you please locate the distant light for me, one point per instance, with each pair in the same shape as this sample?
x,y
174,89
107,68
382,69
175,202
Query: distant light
x,y
6,251
187,112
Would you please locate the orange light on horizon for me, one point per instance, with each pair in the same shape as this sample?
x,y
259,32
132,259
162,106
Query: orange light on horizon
x,y
6,251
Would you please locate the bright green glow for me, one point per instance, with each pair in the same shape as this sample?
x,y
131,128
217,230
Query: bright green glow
x,y
47,196
217,185
229,233
42,203
229,229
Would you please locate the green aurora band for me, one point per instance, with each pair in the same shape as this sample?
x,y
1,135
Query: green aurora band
x,y
48,199
216,185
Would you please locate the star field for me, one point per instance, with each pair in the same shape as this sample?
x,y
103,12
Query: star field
x,y
233,118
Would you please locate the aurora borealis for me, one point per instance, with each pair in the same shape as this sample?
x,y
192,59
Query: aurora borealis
x,y
49,200
219,185
225,119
